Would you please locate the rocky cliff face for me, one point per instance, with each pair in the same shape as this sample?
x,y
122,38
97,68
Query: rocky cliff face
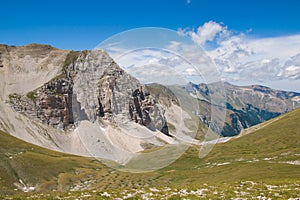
x,y
91,86
81,103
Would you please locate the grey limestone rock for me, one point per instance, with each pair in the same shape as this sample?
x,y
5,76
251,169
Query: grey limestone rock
x,y
91,87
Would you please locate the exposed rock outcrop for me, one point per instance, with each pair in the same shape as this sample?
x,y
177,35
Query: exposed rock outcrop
x,y
91,86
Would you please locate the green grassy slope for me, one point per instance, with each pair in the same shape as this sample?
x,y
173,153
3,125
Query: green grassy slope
x,y
265,155
279,140
33,164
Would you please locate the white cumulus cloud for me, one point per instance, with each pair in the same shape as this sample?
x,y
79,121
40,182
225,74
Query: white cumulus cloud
x,y
244,59
208,32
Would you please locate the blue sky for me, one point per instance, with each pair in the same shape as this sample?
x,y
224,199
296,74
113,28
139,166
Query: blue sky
x,y
251,41
83,24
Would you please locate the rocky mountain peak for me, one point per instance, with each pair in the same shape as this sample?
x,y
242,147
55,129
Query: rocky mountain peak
x,y
91,86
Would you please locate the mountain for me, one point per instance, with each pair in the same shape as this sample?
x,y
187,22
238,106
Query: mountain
x,y
90,85
265,157
246,106
81,103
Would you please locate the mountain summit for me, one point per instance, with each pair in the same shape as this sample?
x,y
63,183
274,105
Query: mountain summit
x,y
79,102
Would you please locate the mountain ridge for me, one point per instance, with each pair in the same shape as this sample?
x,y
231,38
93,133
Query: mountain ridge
x,y
245,105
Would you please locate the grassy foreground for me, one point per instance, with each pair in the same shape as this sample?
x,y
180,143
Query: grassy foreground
x,y
264,163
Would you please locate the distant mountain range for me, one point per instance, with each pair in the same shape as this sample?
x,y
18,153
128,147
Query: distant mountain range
x,y
246,105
